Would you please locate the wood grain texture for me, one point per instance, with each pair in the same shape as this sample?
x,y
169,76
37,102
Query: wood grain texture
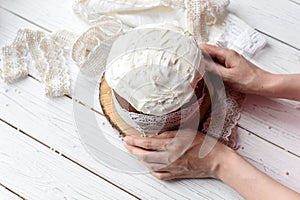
x,y
35,172
274,120
278,58
284,168
50,15
279,19
7,195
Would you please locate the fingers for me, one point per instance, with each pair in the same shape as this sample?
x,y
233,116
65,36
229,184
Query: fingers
x,y
148,156
152,143
167,134
212,52
163,175
215,52
214,67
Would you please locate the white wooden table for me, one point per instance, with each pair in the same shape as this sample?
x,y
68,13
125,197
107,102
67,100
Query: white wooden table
x,y
42,157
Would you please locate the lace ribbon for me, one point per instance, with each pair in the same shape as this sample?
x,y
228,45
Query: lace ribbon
x,y
203,13
15,60
48,52
153,125
48,58
234,104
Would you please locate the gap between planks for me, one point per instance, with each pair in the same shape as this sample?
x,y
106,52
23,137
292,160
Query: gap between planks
x,y
295,1
281,41
11,191
64,156
268,141
25,19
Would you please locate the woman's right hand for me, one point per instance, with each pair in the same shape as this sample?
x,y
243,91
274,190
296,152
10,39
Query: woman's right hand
x,y
236,71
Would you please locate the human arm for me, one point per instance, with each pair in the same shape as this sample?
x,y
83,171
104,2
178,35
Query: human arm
x,y
168,158
246,77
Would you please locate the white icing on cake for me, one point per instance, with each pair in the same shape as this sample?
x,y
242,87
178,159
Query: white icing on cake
x,y
155,68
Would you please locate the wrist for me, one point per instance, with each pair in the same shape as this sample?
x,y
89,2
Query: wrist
x,y
264,83
225,159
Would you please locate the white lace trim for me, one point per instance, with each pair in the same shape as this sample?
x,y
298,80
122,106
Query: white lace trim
x,y
15,62
204,13
47,51
234,104
91,50
48,58
153,125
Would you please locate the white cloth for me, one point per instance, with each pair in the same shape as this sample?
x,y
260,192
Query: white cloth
x,y
207,20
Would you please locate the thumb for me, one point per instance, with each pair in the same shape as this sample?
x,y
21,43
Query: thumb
x,y
211,54
216,53
214,67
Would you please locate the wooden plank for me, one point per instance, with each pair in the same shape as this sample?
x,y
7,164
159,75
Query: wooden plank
x,y
284,167
55,127
8,33
278,58
274,120
280,19
35,172
50,15
7,195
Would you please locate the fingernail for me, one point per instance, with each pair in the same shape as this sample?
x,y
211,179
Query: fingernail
x,y
126,139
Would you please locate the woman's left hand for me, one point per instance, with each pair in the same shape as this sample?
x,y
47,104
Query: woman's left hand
x,y
175,154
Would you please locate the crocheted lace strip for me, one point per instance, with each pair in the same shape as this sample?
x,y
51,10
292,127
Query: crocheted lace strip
x,y
15,59
46,54
153,125
56,78
203,13
234,104
91,50
49,52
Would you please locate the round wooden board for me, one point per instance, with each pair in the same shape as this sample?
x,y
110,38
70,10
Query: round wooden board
x,y
117,122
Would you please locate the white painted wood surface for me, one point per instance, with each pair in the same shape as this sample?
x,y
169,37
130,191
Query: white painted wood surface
x,y
56,128
37,173
50,121
279,19
7,195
